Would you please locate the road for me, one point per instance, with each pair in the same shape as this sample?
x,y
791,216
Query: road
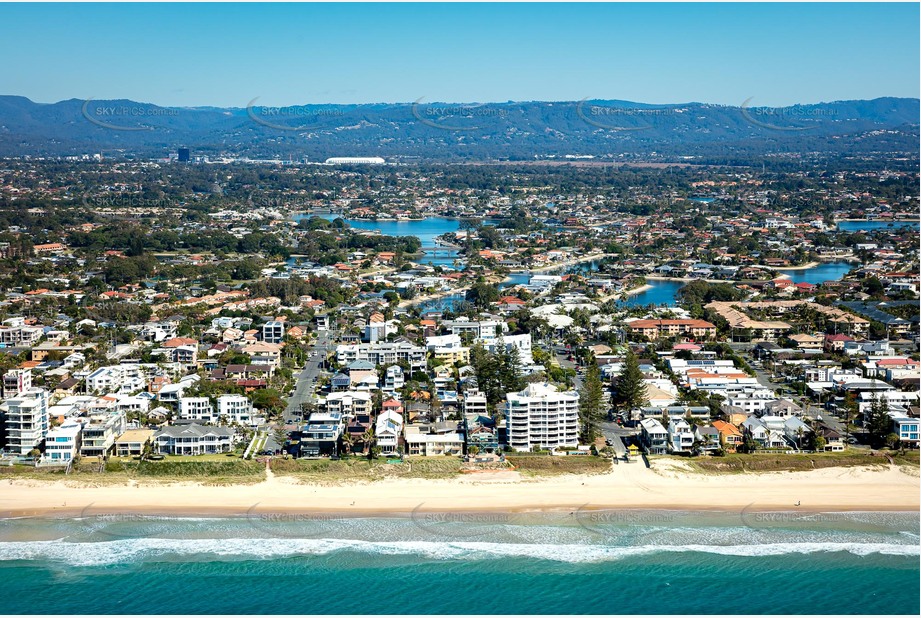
x,y
304,391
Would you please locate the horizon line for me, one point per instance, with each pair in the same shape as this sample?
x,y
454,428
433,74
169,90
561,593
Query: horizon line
x,y
419,101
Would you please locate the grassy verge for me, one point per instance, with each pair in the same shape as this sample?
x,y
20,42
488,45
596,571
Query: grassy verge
x,y
354,469
209,470
769,462
554,466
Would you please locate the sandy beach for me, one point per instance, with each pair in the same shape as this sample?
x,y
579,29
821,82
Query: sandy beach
x,y
668,485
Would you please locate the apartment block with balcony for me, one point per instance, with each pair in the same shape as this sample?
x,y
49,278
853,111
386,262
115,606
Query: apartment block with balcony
x,y
542,417
197,409
237,409
16,381
100,432
25,420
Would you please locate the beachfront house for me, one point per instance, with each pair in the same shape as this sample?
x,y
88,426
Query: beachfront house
x,y
730,436
764,436
445,438
654,436
320,436
193,439
63,443
680,436
387,430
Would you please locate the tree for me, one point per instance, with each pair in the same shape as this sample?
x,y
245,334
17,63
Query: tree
x,y
591,404
628,391
280,436
878,423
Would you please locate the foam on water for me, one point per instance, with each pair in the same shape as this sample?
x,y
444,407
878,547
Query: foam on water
x,y
146,549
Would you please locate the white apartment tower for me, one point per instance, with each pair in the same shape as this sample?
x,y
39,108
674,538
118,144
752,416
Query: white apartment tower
x,y
540,416
26,421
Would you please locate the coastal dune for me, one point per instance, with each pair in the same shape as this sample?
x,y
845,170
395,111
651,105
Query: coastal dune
x,y
627,486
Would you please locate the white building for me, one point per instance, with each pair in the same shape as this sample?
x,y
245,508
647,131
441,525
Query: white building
x,y
484,329
26,421
522,343
382,353
387,430
354,161
63,443
394,378
16,381
348,403
655,436
237,409
443,341
475,404
906,427
193,440
197,409
680,436
100,431
14,332
890,398
273,331
542,417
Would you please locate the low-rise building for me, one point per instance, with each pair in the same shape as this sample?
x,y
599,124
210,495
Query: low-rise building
x,y
193,439
62,444
100,432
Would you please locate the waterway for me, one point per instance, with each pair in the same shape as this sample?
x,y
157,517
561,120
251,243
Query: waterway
x,y
867,226
660,292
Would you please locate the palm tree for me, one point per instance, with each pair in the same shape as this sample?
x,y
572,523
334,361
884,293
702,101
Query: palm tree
x,y
348,440
367,438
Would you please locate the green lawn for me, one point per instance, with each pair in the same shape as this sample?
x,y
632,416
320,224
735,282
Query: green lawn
x,y
546,465
736,463
359,469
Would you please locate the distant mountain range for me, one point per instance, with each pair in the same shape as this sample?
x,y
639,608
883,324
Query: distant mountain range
x,y
452,132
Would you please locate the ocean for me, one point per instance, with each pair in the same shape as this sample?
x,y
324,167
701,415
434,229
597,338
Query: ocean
x,y
583,562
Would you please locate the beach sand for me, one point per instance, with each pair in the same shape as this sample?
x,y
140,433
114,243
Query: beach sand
x,y
668,485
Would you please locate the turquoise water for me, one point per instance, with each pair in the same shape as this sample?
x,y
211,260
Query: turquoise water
x,y
831,271
660,293
637,562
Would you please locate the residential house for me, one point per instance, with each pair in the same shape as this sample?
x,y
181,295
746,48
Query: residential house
x,y
62,444
388,429
730,436
193,439
654,436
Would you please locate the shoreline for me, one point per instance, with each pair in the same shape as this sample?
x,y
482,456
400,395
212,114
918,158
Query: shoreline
x,y
668,486
562,264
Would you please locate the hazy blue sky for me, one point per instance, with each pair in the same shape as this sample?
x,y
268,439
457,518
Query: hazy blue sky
x,y
228,54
